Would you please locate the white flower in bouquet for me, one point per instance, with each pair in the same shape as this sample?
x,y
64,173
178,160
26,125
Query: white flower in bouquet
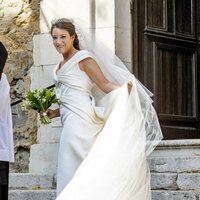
x,y
40,100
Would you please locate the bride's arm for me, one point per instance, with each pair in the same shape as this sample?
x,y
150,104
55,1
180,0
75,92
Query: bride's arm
x,y
94,72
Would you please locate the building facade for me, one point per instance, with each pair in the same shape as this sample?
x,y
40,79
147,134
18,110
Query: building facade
x,y
157,40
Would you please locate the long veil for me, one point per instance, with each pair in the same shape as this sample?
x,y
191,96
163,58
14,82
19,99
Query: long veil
x,y
115,71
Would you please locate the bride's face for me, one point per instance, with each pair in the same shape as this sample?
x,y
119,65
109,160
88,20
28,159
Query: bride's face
x,y
62,40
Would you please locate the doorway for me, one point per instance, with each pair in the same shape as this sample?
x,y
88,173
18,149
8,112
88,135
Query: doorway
x,y
166,40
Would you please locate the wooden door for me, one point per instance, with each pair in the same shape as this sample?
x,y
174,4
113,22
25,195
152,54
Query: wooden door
x,y
166,37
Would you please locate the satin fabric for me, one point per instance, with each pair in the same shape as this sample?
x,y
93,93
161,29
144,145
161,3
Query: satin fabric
x,y
102,146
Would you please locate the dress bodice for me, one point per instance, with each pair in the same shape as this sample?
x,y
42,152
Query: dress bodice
x,y
71,76
74,87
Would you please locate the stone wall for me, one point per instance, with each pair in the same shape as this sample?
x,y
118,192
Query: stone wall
x,y
123,38
19,21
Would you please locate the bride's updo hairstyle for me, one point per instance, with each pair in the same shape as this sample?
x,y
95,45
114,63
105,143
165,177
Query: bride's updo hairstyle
x,y
67,25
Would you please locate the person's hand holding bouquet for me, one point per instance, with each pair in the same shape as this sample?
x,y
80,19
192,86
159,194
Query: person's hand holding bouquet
x,y
40,100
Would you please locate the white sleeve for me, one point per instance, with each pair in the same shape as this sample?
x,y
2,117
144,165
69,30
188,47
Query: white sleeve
x,y
6,129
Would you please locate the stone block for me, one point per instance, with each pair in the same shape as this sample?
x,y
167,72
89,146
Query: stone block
x,y
30,181
165,181
43,158
174,164
177,148
32,195
44,53
50,133
71,12
189,181
176,156
123,44
105,13
13,9
174,195
122,14
41,76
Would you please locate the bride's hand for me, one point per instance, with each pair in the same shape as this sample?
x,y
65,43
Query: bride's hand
x,y
130,87
51,113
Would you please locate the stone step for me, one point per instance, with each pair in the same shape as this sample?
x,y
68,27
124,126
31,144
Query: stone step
x,y
32,195
177,148
167,181
51,195
175,181
27,181
175,195
175,164
165,186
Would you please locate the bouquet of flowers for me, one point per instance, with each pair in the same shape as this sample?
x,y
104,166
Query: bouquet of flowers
x,y
40,100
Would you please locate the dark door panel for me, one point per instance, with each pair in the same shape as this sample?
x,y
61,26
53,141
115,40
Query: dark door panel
x,y
167,62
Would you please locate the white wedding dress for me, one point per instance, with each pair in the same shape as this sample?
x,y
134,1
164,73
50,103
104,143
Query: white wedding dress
x,y
103,144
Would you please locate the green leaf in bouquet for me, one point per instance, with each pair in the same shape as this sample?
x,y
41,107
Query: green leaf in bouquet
x,y
34,102
48,97
54,100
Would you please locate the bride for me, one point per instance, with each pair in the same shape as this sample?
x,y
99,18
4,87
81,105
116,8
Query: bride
x,y
109,123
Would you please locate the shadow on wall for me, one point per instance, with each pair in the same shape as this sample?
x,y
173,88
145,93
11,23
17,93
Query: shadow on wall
x,y
19,21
